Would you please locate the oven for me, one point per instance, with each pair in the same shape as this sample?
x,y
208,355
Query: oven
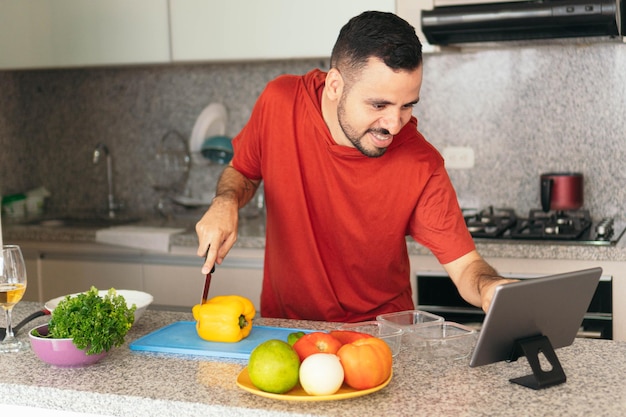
x,y
437,294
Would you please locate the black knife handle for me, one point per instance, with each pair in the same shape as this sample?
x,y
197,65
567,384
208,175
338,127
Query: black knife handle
x,y
18,326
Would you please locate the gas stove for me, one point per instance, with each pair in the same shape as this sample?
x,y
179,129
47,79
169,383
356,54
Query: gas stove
x,y
566,227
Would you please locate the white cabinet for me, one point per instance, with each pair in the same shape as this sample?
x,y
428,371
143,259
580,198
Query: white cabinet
x,y
61,276
170,281
182,286
204,30
174,279
76,33
173,285
82,33
31,259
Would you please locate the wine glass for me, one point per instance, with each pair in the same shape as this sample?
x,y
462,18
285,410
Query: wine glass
x,y
12,288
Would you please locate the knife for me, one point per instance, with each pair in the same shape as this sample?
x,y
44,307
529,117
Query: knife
x,y
207,284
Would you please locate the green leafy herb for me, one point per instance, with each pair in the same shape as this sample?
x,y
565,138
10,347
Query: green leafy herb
x,y
94,323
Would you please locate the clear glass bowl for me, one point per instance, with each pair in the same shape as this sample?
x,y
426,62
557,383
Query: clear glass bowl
x,y
409,321
390,334
443,340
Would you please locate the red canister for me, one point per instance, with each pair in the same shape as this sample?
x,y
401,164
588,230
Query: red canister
x,y
561,191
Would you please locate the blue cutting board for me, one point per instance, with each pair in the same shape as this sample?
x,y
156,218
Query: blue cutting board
x,y
182,338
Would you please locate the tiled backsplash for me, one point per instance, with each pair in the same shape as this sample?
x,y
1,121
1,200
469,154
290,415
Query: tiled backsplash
x,y
523,110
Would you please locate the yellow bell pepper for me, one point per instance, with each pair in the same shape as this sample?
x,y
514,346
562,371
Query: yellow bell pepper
x,y
225,318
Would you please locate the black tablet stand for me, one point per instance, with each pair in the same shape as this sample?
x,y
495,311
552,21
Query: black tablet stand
x,y
531,347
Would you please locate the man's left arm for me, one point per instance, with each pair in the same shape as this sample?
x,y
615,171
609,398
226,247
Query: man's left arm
x,y
475,279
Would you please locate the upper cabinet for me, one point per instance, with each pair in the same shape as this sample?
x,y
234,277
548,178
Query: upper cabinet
x,y
86,33
76,33
208,30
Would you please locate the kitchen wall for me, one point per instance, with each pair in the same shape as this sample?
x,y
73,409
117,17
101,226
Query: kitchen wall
x,y
524,110
530,110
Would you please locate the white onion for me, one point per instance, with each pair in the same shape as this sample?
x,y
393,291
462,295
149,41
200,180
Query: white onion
x,y
321,374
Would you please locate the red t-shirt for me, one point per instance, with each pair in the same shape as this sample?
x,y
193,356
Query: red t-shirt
x,y
337,220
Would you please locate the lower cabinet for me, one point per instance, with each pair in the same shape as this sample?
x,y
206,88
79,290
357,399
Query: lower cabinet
x,y
67,276
182,286
33,287
174,280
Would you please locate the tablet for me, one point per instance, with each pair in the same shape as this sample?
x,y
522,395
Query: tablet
x,y
552,307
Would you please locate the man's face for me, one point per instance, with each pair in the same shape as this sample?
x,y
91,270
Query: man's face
x,y
376,105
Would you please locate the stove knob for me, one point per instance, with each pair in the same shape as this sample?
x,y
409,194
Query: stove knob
x,y
604,228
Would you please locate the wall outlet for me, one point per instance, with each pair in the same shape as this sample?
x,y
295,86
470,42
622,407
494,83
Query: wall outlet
x,y
458,157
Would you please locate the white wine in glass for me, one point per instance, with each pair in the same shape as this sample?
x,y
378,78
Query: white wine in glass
x,y
12,288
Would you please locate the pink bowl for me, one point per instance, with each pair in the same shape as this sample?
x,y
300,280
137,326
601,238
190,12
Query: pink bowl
x,y
61,353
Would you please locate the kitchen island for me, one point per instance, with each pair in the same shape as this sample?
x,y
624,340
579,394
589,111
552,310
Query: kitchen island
x,y
129,383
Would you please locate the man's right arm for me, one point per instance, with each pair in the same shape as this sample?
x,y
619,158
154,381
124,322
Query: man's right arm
x,y
217,229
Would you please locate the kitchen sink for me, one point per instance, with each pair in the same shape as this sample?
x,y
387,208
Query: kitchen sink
x,y
83,222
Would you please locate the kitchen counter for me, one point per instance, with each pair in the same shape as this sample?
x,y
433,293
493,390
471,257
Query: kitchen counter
x,y
516,259
128,383
252,236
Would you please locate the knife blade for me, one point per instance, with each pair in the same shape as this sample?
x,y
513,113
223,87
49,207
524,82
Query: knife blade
x,y
207,284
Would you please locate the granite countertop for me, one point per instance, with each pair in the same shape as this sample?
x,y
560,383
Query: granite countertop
x,y
128,383
252,236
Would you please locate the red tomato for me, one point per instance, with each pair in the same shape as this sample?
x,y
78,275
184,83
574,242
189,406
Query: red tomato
x,y
348,336
366,362
316,342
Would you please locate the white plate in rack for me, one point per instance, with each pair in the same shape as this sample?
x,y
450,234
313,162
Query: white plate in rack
x,y
211,122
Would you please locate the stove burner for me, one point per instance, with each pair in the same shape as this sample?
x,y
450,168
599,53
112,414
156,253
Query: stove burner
x,y
491,222
567,227
564,225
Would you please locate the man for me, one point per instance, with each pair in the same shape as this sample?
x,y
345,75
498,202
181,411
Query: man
x,y
347,177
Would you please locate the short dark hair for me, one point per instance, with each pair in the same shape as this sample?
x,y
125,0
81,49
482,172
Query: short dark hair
x,y
380,35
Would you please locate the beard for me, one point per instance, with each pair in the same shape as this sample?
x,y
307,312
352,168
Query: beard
x,y
355,137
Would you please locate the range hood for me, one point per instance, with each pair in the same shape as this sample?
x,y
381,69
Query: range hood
x,y
448,23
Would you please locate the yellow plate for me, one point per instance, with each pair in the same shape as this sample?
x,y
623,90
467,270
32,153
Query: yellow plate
x,y
299,394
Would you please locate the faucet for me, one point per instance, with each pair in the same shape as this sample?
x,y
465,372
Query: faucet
x,y
100,149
